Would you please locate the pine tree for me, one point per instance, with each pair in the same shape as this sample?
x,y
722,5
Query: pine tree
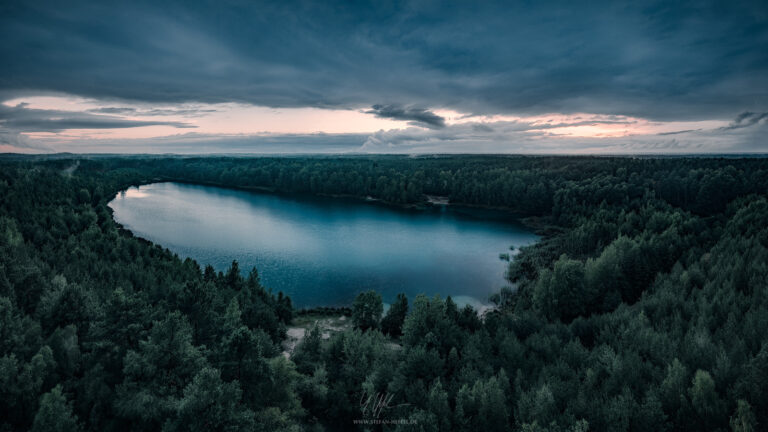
x,y
392,323
55,414
367,309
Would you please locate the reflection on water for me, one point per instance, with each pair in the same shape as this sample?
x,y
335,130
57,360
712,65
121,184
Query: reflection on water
x,y
324,251
134,193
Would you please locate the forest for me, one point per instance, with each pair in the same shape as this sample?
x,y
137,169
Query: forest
x,y
644,307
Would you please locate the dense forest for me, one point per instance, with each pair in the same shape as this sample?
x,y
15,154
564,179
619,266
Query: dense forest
x,y
644,307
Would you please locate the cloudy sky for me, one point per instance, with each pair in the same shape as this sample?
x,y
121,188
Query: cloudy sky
x,y
384,77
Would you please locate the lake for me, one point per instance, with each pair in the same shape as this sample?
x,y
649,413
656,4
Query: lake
x,y
323,251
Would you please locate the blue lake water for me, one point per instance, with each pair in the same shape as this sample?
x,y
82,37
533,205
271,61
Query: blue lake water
x,y
323,251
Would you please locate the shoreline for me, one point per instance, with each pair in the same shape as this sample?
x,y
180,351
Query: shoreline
x,y
538,224
535,224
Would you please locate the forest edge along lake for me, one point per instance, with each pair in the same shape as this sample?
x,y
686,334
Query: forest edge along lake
x,y
322,251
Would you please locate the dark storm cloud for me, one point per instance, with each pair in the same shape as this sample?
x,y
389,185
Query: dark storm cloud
x,y
113,110
414,116
481,127
17,141
188,112
654,59
551,125
677,132
746,119
19,118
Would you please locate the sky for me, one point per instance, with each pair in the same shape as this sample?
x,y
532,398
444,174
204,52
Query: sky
x,y
526,77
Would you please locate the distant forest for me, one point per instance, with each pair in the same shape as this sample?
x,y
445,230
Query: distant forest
x,y
644,307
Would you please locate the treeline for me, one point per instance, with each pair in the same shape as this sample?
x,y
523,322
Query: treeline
x,y
102,331
645,308
558,186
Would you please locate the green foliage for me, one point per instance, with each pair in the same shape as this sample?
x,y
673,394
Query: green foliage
x,y
210,404
483,406
157,372
367,310
55,414
704,398
561,293
643,307
392,323
743,420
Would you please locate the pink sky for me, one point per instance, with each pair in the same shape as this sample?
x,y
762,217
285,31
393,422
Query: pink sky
x,y
241,120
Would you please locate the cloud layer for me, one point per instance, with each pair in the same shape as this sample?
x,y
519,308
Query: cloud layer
x,y
19,118
415,116
497,77
747,119
503,136
652,59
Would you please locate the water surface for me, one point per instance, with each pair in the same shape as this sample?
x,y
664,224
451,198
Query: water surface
x,y
323,251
